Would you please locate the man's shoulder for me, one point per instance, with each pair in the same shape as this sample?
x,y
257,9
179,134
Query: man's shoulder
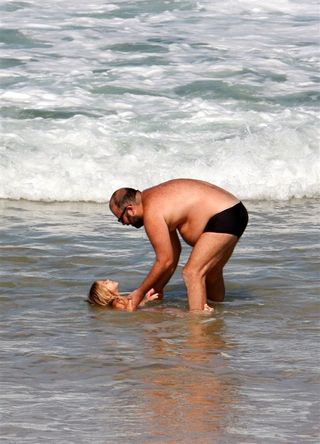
x,y
169,186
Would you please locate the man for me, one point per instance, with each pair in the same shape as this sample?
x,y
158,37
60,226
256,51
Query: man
x,y
207,217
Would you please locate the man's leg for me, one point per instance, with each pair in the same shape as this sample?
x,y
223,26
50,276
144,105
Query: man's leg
x,y
210,253
214,280
215,285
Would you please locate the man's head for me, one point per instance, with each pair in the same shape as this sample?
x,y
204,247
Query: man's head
x,y
126,205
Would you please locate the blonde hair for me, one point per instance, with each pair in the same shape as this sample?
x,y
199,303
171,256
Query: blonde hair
x,y
101,296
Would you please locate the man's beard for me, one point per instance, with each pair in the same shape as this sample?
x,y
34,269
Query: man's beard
x,y
136,221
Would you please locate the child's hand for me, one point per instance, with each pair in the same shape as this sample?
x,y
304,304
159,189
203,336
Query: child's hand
x,y
151,295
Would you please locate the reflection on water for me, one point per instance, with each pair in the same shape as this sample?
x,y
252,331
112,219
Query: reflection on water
x,y
74,373
186,392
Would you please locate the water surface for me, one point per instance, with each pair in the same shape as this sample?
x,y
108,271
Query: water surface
x,y
71,373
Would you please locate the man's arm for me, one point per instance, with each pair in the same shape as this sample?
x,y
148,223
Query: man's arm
x,y
167,248
176,246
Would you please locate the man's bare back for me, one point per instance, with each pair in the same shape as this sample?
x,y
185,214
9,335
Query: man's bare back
x,y
186,205
207,217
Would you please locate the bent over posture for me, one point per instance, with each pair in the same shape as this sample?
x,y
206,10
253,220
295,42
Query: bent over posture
x,y
207,217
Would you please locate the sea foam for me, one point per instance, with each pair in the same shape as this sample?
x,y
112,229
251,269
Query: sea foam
x,y
95,97
85,159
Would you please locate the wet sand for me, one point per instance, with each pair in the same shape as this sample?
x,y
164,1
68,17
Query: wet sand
x,y
71,373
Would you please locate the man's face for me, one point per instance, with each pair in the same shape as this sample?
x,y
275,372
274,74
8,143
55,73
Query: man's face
x,y
136,221
126,219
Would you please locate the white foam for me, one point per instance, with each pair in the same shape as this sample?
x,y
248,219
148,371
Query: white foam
x,y
212,96
86,159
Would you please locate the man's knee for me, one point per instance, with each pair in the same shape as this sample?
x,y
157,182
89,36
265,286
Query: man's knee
x,y
190,274
187,274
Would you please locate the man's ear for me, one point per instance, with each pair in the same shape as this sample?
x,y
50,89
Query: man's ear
x,y
130,210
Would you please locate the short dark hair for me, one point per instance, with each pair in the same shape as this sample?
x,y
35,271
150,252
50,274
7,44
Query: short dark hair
x,y
123,197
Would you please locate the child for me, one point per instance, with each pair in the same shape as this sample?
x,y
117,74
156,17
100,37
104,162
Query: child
x,y
106,293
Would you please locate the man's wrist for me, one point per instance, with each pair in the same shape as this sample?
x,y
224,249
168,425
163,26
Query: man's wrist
x,y
137,296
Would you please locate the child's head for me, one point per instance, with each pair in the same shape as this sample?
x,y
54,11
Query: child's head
x,y
103,293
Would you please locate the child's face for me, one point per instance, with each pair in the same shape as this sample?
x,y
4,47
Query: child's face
x,y
120,302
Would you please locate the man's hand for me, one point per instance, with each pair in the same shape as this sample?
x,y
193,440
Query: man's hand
x,y
129,306
135,297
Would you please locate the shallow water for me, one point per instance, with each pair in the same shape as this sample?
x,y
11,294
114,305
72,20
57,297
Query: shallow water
x,y
71,373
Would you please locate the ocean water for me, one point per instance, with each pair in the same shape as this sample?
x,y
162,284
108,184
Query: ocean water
x,y
71,373
96,95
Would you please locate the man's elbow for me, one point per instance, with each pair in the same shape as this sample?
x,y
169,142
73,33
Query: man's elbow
x,y
168,264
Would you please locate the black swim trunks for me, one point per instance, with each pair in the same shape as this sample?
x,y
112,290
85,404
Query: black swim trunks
x,y
232,221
